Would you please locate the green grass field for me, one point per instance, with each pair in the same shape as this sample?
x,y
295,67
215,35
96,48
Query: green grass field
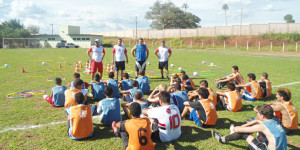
x,y
25,112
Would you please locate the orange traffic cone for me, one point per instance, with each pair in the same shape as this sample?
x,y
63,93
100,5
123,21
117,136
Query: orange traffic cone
x,y
59,66
76,67
108,68
87,65
112,68
22,71
81,66
90,68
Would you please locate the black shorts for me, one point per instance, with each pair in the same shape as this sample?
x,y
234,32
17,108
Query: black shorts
x,y
141,63
119,65
162,65
255,145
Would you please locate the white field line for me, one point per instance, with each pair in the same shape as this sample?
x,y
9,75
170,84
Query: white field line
x,y
36,126
286,84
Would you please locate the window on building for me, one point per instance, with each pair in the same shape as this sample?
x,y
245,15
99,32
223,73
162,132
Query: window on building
x,y
51,39
87,39
83,39
78,39
74,39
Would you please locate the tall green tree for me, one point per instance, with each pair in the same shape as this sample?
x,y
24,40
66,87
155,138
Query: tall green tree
x,y
168,16
289,18
225,8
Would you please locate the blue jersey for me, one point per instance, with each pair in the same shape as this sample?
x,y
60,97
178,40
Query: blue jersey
x,y
59,95
179,98
143,105
140,52
126,84
115,86
109,110
278,134
144,84
98,90
132,93
72,85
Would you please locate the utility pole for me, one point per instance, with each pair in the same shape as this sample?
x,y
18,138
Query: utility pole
x,y
241,21
52,27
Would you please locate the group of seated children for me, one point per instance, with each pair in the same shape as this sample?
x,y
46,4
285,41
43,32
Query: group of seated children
x,y
159,116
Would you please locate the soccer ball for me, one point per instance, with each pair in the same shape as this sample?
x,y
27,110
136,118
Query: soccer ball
x,y
148,63
203,62
79,62
195,73
172,65
129,74
5,65
43,63
179,68
212,64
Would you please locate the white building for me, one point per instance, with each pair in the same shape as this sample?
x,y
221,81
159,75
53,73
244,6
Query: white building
x,y
67,34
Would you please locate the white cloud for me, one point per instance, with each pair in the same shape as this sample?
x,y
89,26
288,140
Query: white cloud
x,y
268,7
24,9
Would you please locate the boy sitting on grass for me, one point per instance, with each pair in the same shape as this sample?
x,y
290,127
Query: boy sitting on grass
x,y
253,91
144,82
187,79
135,132
114,84
265,85
77,76
154,96
236,77
230,99
204,84
69,94
109,108
138,98
179,97
129,94
202,112
57,98
80,123
125,84
98,88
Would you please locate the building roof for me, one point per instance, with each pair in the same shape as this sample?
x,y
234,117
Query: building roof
x,y
84,35
44,35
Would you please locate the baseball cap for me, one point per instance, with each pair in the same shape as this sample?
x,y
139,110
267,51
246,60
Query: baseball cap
x,y
97,40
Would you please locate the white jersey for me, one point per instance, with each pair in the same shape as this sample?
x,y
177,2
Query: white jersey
x,y
163,53
169,121
97,53
119,52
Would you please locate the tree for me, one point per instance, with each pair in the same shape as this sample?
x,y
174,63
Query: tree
x,y
185,6
225,8
289,18
169,16
32,29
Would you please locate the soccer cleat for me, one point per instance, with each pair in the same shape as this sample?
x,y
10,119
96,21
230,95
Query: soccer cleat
x,y
231,129
114,127
218,136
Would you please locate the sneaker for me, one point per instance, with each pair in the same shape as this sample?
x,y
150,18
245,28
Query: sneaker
x,y
114,127
231,129
218,136
247,120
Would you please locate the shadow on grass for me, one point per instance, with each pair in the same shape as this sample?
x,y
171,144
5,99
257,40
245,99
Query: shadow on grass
x,y
247,108
101,132
238,146
224,123
271,98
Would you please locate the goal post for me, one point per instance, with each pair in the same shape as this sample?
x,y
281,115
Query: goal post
x,y
21,43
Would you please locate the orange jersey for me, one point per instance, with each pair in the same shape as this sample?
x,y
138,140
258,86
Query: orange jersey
x,y
269,88
278,114
256,87
212,96
292,114
233,100
139,132
192,82
70,97
81,124
210,112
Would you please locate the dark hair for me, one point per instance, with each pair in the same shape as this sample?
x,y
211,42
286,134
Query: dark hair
x,y
120,40
266,110
108,91
185,77
97,77
141,39
252,76
142,72
177,86
58,81
76,75
182,71
235,68
265,75
164,97
79,98
138,95
135,109
231,86
203,92
175,76
284,94
111,75
204,82
134,83
178,80
77,82
126,75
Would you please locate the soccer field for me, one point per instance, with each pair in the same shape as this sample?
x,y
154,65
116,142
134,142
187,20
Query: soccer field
x,y
31,123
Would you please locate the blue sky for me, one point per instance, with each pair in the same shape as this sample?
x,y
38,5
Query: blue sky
x,y
95,16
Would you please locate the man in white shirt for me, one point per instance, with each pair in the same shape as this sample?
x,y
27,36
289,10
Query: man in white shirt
x,y
119,53
164,55
168,117
97,57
